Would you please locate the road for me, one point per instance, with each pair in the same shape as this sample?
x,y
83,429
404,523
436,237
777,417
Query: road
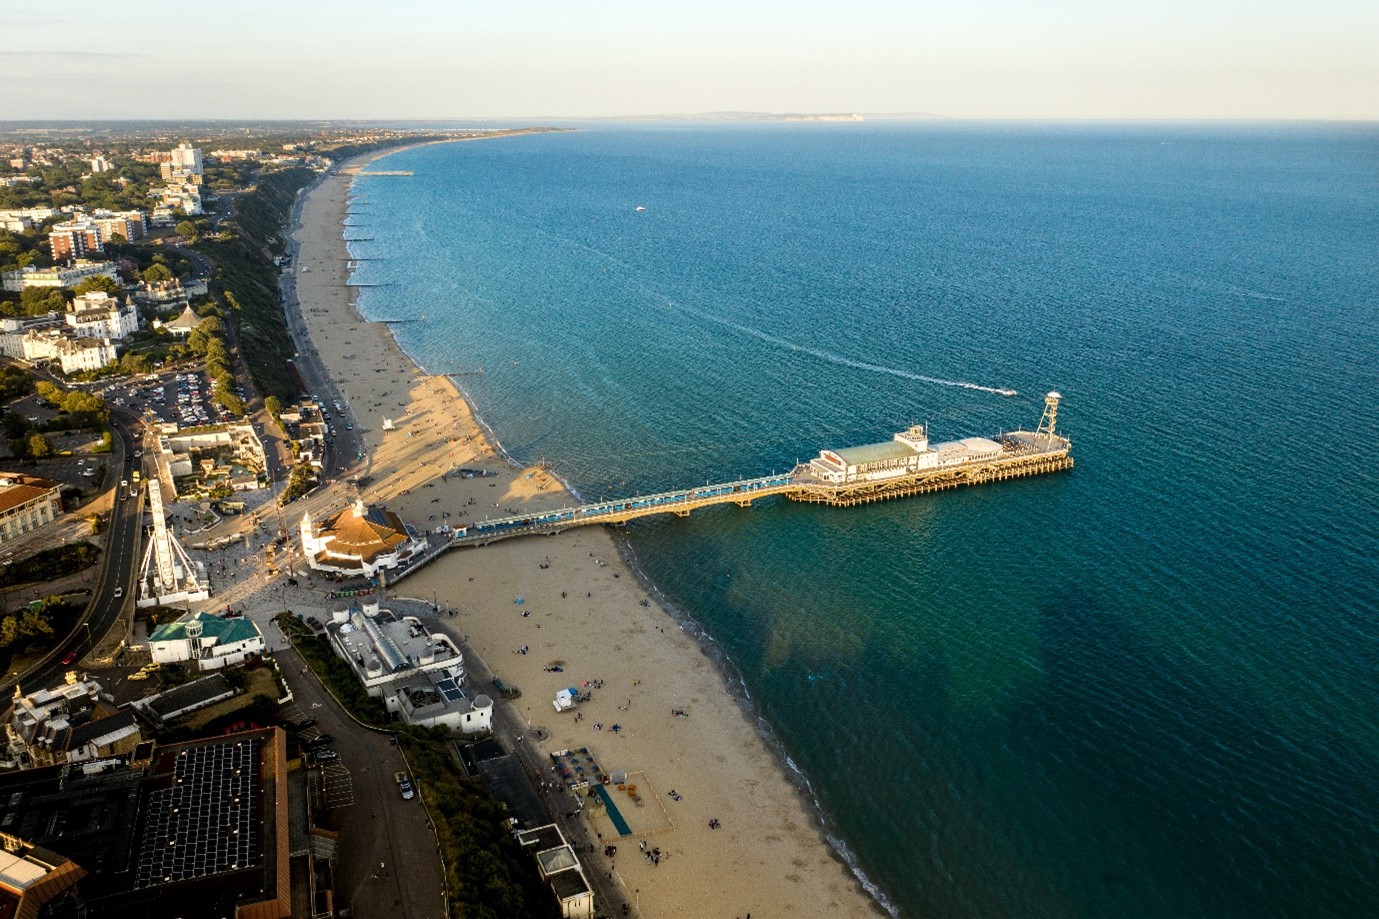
x,y
120,558
378,828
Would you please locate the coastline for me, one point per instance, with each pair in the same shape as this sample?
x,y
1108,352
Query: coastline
x,y
774,855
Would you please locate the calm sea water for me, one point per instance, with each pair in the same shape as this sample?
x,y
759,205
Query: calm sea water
x,y
1143,688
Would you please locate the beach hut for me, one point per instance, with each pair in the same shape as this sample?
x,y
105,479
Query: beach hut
x,y
566,699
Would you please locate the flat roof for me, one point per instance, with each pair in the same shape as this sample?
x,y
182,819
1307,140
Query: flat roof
x,y
206,820
567,884
875,453
18,871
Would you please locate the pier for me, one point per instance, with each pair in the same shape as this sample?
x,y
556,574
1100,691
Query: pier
x,y
386,172
901,468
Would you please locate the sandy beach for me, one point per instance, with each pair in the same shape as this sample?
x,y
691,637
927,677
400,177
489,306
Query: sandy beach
x,y
572,603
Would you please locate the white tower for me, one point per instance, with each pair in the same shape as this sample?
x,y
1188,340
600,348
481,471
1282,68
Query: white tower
x,y
1049,420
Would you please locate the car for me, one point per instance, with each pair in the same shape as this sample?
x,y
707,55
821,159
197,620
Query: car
x,y
303,724
320,740
151,667
325,756
137,676
119,592
404,785
69,657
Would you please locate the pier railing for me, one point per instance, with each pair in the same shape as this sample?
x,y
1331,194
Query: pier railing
x,y
1023,456
681,502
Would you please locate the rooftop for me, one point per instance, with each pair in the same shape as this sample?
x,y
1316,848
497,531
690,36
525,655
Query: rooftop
x,y
191,694
875,453
364,531
224,631
17,489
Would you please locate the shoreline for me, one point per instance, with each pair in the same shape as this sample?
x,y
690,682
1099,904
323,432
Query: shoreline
x,y
658,890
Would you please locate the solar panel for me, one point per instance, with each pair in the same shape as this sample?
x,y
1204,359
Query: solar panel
x,y
205,822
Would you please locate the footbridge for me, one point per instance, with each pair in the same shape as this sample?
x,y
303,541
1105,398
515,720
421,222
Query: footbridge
x,y
680,502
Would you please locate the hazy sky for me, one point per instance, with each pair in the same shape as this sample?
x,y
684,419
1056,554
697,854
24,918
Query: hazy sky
x,y
401,59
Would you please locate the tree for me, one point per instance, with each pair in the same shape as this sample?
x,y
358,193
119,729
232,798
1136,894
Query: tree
x,y
79,401
155,274
99,282
187,229
230,402
274,406
36,301
133,363
39,446
50,392
14,382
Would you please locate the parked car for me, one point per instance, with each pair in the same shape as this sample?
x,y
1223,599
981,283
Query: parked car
x,y
303,724
320,740
325,756
141,675
404,785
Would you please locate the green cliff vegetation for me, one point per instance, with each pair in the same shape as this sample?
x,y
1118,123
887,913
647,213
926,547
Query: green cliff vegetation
x,y
246,279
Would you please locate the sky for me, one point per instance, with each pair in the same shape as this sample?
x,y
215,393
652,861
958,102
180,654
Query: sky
x,y
465,59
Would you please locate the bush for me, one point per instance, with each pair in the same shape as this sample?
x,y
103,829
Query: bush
x,y
50,564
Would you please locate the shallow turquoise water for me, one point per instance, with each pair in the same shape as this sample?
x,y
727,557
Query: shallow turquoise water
x,y
1142,688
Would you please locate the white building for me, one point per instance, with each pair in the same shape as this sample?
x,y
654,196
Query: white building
x,y
907,453
74,355
382,648
208,641
100,164
186,161
99,315
183,196
13,329
435,700
560,868
129,224
79,271
359,541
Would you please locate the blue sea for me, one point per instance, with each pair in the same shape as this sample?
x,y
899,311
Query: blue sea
x,y
1145,687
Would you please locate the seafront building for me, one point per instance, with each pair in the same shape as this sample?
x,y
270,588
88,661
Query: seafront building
x,y
907,453
417,673
359,541
560,870
206,641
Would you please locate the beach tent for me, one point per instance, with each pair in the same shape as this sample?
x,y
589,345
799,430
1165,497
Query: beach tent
x,y
566,699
